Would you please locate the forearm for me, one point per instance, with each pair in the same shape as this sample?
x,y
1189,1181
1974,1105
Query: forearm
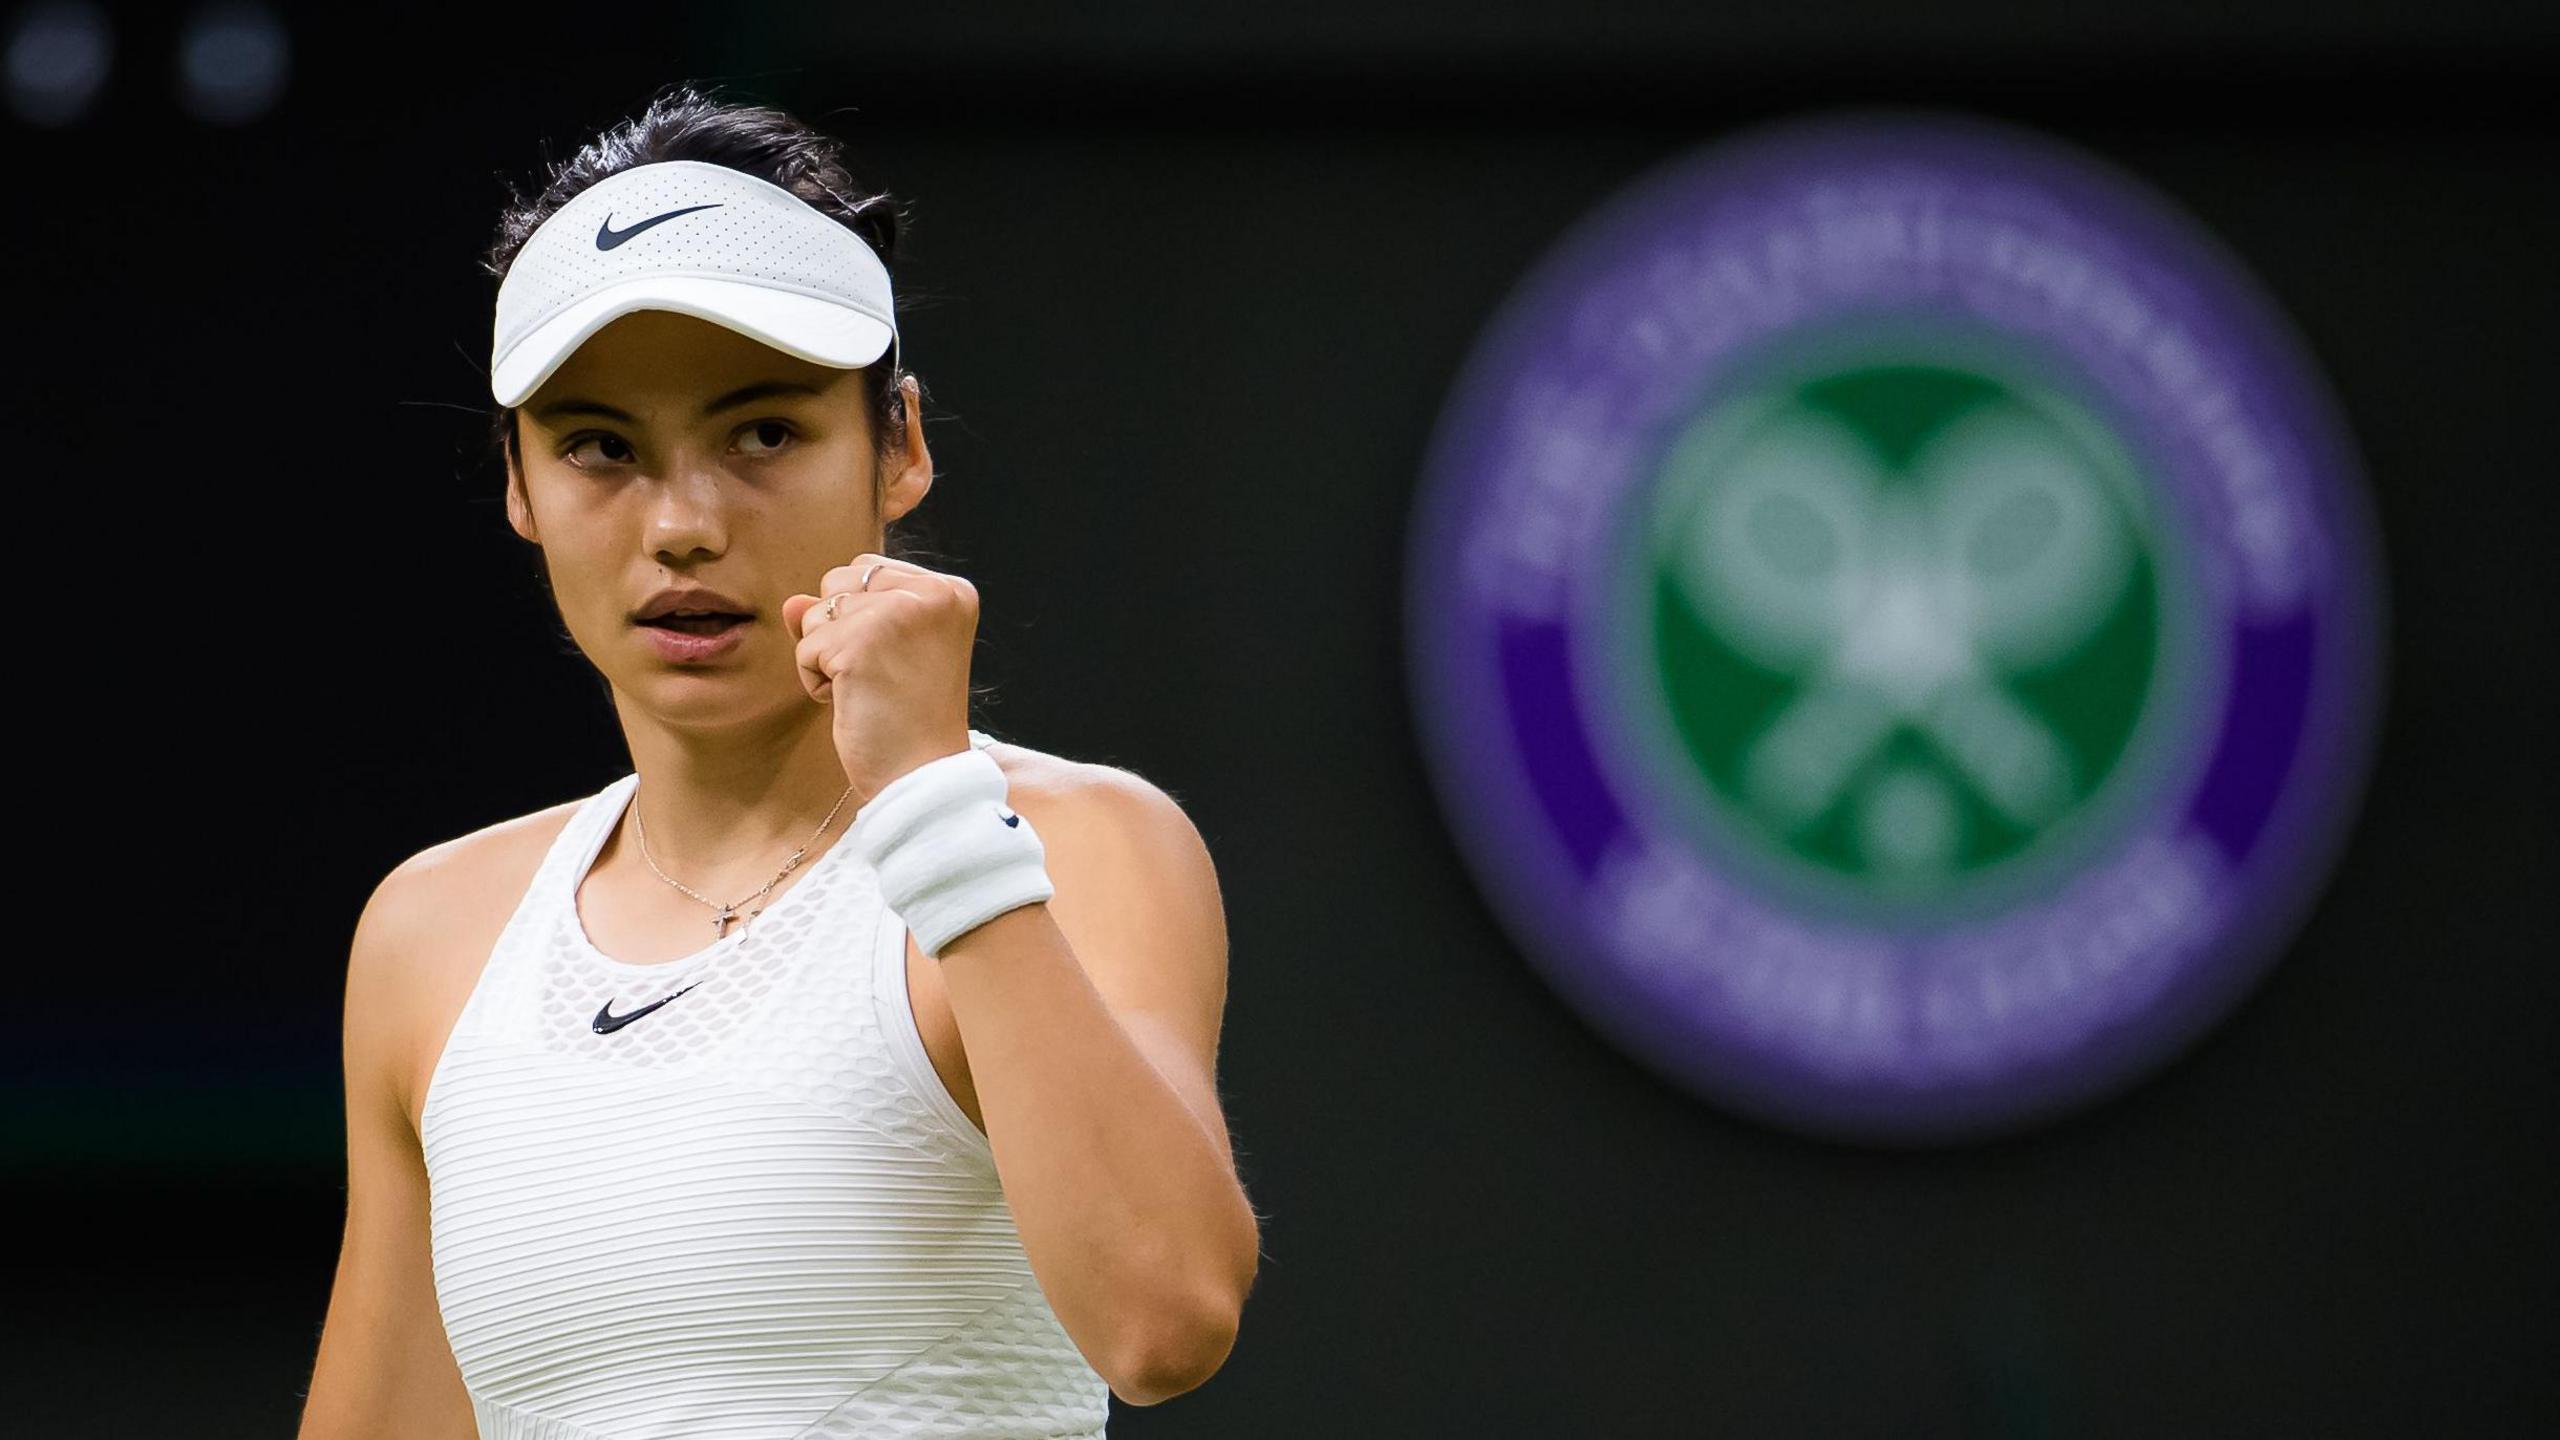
x,y
1128,1205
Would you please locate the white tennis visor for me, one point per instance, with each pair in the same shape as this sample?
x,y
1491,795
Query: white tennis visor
x,y
700,239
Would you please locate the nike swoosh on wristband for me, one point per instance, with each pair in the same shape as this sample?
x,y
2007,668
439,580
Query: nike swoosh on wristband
x,y
606,1022
607,237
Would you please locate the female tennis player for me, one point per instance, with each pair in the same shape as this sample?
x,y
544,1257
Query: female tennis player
x,y
841,1071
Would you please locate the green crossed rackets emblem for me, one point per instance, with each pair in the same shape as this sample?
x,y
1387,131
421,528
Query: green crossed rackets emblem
x,y
1904,619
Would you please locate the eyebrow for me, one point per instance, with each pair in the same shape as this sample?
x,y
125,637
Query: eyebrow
x,y
760,390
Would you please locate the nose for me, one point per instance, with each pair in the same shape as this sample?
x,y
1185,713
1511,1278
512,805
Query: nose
x,y
688,515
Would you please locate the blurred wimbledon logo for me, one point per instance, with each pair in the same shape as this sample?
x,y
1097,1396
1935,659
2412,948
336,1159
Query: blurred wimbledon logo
x,y
1892,621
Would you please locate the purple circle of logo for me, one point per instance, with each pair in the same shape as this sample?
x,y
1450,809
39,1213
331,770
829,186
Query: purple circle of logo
x,y
1893,623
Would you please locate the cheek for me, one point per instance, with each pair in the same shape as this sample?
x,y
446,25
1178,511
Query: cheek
x,y
823,525
590,583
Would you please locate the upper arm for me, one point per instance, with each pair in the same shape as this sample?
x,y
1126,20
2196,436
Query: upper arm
x,y
1138,898
384,1366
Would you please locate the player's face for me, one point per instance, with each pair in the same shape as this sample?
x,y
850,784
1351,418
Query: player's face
x,y
755,499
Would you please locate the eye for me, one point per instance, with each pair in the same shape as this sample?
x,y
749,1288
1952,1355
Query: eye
x,y
570,451
778,427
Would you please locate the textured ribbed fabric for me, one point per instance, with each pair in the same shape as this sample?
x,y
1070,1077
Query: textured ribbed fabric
x,y
754,1212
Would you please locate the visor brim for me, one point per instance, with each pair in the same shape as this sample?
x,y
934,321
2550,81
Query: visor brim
x,y
812,328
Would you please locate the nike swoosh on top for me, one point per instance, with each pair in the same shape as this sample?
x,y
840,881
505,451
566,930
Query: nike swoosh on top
x,y
606,1022
1011,819
607,237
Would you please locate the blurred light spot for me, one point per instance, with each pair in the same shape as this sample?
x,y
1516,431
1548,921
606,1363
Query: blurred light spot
x,y
59,55
232,63
1910,823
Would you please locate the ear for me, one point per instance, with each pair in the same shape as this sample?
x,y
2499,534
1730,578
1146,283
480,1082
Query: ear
x,y
911,471
519,512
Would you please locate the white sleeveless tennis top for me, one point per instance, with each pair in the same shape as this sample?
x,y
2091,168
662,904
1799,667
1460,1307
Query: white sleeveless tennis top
x,y
754,1211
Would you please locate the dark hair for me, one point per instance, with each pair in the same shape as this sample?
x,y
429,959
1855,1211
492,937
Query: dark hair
x,y
683,123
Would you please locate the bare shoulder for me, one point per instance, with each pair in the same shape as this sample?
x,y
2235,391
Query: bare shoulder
x,y
1111,834
439,883
1084,794
427,930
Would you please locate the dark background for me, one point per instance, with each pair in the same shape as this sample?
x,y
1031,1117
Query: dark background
x,y
1187,284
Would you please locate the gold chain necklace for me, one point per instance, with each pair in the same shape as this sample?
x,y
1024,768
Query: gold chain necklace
x,y
720,922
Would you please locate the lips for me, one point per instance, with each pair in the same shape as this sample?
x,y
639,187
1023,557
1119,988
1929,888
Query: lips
x,y
680,600
696,624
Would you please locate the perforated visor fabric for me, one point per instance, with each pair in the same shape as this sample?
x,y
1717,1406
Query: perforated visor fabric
x,y
696,238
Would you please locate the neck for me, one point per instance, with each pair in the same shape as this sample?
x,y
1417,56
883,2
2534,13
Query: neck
x,y
731,803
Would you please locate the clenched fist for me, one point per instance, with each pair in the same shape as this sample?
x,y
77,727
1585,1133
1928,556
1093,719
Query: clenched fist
x,y
894,662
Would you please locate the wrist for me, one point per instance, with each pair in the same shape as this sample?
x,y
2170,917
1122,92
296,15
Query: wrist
x,y
949,852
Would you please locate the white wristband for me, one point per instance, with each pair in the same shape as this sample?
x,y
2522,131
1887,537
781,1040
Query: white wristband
x,y
950,853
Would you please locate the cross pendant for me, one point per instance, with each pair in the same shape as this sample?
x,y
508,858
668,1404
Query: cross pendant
x,y
720,922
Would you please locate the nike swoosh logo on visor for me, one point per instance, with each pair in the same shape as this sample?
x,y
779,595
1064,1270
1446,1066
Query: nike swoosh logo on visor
x,y
607,1022
607,237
